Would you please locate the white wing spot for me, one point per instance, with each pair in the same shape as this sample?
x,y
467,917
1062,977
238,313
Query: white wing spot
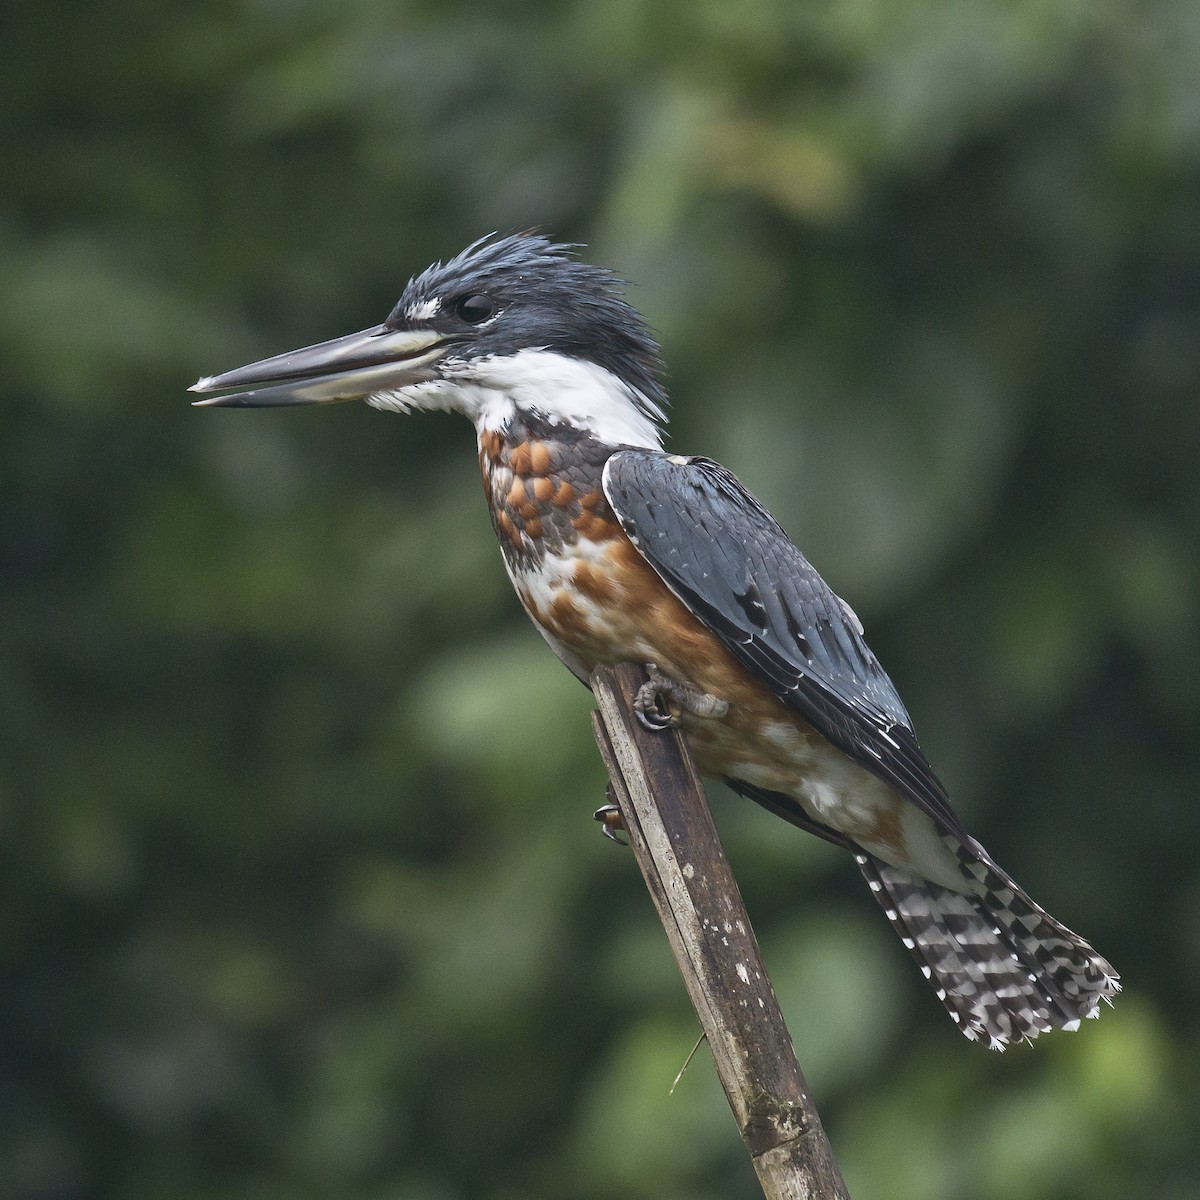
x,y
852,617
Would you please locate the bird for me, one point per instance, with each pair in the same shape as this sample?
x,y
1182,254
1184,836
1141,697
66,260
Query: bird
x,y
621,551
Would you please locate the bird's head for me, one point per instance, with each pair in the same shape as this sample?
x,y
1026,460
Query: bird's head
x,y
512,325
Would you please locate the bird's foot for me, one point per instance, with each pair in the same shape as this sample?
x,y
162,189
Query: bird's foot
x,y
611,821
661,702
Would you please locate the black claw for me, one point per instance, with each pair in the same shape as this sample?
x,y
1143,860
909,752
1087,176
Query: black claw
x,y
658,718
609,816
652,709
652,704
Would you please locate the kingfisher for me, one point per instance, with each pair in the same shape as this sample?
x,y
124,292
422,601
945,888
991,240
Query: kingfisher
x,y
622,552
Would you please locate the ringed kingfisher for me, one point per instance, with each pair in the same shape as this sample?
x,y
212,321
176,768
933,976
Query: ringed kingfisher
x,y
622,552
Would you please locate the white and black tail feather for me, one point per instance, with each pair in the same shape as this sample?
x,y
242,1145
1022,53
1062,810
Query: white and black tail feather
x,y
1004,968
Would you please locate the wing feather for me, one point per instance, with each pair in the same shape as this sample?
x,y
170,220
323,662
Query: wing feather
x,y
719,550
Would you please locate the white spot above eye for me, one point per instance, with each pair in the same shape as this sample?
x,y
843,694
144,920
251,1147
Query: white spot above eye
x,y
423,310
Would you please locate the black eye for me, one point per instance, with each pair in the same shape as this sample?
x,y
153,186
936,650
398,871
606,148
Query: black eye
x,y
475,309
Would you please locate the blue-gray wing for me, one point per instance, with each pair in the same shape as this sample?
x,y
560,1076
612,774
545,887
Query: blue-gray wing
x,y
732,565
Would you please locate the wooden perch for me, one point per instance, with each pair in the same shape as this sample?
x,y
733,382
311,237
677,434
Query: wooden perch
x,y
672,834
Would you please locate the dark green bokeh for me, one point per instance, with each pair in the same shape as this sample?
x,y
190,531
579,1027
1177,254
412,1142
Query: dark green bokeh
x,y
301,893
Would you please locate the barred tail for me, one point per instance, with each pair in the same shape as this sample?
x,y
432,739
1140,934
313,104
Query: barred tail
x,y
1004,968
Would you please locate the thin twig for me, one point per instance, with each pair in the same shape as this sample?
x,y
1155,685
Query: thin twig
x,y
698,901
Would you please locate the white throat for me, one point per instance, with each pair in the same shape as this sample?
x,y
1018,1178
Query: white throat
x,y
560,389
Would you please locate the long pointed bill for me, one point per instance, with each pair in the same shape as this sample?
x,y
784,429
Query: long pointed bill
x,y
346,368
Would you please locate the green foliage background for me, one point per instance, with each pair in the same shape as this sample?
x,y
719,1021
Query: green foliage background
x,y
301,894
